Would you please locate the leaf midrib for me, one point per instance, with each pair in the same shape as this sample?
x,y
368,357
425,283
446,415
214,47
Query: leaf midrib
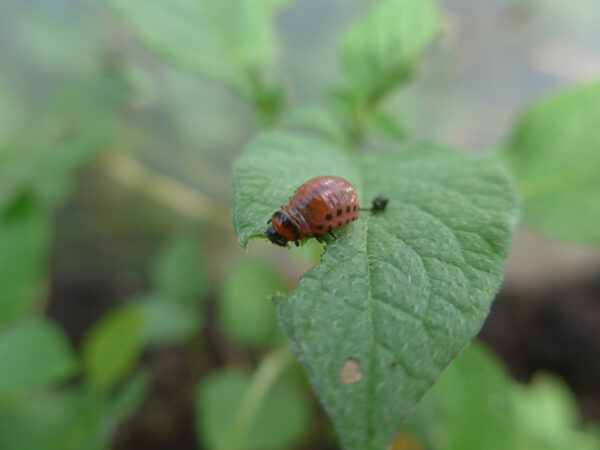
x,y
370,393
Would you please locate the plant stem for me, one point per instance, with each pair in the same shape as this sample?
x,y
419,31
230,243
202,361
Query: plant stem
x,y
263,380
164,190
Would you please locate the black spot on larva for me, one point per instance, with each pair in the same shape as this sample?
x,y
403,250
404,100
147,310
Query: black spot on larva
x,y
354,209
347,209
319,227
339,212
339,223
328,217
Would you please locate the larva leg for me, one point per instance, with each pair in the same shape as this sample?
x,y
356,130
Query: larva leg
x,y
318,238
332,234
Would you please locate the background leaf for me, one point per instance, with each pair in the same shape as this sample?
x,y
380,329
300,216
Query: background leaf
x,y
180,272
554,152
280,421
166,321
73,124
35,353
24,244
547,417
381,49
469,407
245,312
228,41
399,293
69,419
113,346
129,398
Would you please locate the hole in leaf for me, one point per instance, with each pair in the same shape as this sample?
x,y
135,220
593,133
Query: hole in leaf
x,y
350,372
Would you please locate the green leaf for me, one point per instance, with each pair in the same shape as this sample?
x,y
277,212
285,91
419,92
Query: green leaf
x,y
380,50
554,152
386,126
228,41
281,419
475,394
129,398
24,244
73,125
35,353
42,423
399,293
474,405
167,321
244,311
12,109
67,419
547,417
268,172
314,119
180,272
113,346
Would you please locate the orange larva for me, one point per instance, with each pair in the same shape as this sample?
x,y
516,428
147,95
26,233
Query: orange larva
x,y
320,205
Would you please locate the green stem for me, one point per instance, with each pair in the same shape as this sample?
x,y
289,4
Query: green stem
x,y
265,376
165,190
266,100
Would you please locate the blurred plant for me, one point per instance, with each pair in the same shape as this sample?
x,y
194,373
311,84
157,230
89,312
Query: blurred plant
x,y
475,404
393,301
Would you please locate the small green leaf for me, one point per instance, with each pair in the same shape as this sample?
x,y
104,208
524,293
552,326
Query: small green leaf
x,y
554,152
180,272
281,419
42,422
67,419
244,311
547,417
167,321
380,50
400,292
113,346
385,125
128,398
231,42
24,244
35,353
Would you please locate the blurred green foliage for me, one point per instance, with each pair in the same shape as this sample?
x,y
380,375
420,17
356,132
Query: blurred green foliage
x,y
554,152
76,84
476,405
34,353
244,311
233,412
24,239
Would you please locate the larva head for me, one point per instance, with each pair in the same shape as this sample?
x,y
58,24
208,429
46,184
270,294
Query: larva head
x,y
282,230
276,238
